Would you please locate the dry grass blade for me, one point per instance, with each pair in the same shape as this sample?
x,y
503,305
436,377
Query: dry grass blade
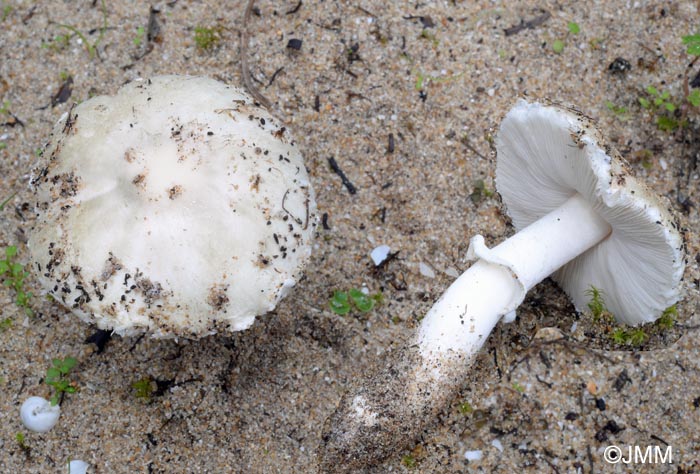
x,y
245,69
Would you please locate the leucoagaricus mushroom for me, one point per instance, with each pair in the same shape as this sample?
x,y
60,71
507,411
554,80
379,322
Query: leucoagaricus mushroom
x,y
178,207
581,218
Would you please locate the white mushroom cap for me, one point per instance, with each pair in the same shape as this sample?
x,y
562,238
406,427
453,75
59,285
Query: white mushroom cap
x,y
546,154
177,206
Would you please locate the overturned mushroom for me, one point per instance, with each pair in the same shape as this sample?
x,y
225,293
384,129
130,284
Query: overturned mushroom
x,y
178,206
582,218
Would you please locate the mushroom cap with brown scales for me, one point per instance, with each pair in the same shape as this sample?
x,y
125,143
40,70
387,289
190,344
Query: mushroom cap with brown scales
x,y
177,207
546,154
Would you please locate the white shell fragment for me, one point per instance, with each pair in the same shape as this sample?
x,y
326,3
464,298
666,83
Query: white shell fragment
x,y
77,466
379,254
38,415
426,270
473,455
547,154
177,206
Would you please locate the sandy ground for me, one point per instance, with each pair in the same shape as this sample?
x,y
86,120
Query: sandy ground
x,y
433,79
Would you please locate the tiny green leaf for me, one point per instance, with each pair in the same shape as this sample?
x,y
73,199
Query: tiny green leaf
x,y
361,301
694,97
652,90
558,46
139,35
339,303
10,251
693,44
465,408
666,124
644,103
574,28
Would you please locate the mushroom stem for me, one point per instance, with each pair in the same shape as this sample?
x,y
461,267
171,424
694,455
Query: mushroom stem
x,y
497,283
391,408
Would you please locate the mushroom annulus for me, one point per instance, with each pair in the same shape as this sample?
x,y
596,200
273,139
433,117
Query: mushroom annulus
x,y
177,207
38,414
581,218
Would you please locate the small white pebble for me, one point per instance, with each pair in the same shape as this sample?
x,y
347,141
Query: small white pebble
x,y
379,254
472,455
574,326
38,415
78,467
496,443
663,163
451,271
425,270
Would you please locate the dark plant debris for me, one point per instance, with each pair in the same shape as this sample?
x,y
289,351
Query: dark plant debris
x,y
100,338
346,182
64,92
295,44
529,24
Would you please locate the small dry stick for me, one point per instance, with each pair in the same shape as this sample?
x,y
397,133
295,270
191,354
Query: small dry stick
x,y
245,69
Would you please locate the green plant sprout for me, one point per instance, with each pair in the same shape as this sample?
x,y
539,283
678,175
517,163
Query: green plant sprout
x,y
22,442
558,46
207,38
518,388
637,336
6,10
144,388
668,318
597,304
91,48
573,27
619,336
58,43
694,98
14,275
57,377
662,104
693,44
620,112
3,145
409,461
342,302
465,408
138,39
480,191
5,324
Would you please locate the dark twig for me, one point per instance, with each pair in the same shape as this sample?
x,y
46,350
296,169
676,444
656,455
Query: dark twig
x,y
336,169
245,68
524,25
